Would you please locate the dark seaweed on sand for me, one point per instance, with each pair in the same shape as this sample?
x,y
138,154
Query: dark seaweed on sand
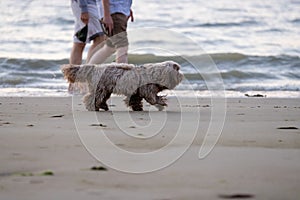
x,y
236,196
101,125
98,168
56,116
288,128
47,173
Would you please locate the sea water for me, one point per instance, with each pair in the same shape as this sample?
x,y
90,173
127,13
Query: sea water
x,y
253,44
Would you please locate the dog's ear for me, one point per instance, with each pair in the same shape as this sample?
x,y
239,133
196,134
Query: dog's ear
x,y
176,66
173,65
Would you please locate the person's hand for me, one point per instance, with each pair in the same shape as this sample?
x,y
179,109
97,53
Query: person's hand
x,y
109,24
131,16
85,17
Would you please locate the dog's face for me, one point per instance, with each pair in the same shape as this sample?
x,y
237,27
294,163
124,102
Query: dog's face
x,y
77,73
69,72
170,74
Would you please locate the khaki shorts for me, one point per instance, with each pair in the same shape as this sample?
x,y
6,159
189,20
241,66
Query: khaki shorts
x,y
119,34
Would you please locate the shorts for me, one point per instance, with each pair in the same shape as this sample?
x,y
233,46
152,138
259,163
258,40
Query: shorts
x,y
94,26
119,34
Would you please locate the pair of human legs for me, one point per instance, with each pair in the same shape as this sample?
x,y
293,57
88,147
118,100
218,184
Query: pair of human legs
x,y
78,48
76,59
92,26
117,42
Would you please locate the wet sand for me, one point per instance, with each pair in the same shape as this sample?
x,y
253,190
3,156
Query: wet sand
x,y
42,157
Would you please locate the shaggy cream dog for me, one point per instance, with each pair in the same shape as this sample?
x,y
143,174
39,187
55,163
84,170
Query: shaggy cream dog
x,y
136,83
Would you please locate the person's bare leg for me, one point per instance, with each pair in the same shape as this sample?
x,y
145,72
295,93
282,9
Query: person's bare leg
x,y
76,53
75,59
98,43
101,55
122,55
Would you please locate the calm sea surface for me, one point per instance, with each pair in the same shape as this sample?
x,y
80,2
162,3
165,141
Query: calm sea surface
x,y
254,45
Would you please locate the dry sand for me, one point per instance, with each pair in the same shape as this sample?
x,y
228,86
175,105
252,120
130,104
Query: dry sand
x,y
42,156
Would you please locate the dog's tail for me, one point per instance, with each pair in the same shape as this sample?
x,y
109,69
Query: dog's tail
x,y
76,73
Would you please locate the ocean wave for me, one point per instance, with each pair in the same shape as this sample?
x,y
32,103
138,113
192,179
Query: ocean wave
x,y
227,24
235,59
29,64
296,21
237,71
62,21
233,76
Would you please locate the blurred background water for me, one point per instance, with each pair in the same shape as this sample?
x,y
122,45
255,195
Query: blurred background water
x,y
254,44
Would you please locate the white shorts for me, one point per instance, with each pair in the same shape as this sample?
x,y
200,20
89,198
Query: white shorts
x,y
94,26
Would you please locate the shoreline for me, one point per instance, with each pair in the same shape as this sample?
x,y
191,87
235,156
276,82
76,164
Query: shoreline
x,y
257,153
43,92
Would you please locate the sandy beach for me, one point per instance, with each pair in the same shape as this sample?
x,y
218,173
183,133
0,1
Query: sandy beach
x,y
42,156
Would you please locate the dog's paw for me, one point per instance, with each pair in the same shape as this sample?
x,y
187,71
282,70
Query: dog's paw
x,y
161,100
91,108
137,108
104,106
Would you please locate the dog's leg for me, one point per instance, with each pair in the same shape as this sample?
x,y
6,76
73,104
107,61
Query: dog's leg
x,y
100,101
104,105
89,101
102,95
135,102
149,93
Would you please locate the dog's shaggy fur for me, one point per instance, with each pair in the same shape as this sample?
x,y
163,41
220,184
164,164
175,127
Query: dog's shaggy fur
x,y
134,82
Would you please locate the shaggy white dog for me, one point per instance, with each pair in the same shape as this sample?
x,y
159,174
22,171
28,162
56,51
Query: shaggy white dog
x,y
134,82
